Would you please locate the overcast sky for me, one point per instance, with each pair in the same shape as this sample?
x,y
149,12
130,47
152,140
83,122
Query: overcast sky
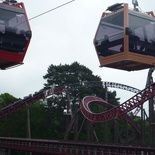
x,y
63,36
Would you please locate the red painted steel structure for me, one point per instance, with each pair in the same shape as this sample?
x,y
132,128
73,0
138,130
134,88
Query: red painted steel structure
x,y
90,99
45,93
119,111
55,147
66,148
29,100
62,147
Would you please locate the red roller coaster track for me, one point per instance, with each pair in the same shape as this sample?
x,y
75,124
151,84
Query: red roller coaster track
x,y
56,147
22,103
90,99
62,147
32,98
118,111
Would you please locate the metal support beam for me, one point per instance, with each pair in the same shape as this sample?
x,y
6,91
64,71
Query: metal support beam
x,y
151,109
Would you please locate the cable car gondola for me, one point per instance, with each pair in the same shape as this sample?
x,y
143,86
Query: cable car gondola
x,y
15,33
125,38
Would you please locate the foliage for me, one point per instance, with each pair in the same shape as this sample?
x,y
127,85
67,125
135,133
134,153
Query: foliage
x,y
75,73
6,99
47,117
8,125
71,75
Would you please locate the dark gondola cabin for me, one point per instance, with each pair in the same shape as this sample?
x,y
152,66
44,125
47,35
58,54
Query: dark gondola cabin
x,y
15,34
125,39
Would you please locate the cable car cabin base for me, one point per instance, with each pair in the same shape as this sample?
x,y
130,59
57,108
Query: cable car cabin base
x,y
15,34
7,65
125,39
6,60
131,63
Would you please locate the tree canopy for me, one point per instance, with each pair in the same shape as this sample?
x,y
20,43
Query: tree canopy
x,y
76,73
59,75
47,117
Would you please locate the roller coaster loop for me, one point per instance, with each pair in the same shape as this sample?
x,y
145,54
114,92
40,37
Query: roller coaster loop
x,y
56,90
89,99
120,110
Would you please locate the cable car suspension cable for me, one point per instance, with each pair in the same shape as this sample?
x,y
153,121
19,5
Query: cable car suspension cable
x,y
51,10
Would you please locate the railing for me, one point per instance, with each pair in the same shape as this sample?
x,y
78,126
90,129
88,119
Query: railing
x,y
56,147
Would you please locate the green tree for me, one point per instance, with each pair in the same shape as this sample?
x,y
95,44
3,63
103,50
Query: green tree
x,y
6,99
7,123
75,73
46,117
65,75
15,124
38,120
